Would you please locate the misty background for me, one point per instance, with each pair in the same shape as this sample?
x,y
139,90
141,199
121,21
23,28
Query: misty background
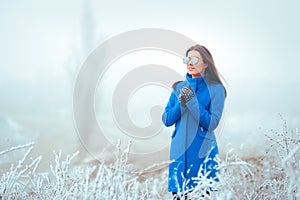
x,y
255,45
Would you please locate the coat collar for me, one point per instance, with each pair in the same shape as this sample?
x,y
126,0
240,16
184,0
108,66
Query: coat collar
x,y
195,82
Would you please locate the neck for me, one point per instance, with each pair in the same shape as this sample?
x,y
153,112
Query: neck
x,y
197,75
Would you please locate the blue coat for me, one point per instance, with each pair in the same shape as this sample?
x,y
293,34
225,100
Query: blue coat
x,y
193,140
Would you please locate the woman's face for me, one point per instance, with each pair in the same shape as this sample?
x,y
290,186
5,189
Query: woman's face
x,y
198,69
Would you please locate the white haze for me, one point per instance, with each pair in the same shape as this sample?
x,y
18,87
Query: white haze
x,y
255,45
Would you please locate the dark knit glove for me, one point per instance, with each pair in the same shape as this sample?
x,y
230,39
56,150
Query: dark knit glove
x,y
181,100
187,94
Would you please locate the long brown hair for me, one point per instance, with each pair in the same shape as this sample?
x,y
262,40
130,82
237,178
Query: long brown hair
x,y
211,72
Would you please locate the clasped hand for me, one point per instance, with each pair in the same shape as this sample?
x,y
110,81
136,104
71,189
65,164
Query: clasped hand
x,y
186,94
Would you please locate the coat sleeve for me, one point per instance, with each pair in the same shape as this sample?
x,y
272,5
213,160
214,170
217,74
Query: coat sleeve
x,y
172,112
209,119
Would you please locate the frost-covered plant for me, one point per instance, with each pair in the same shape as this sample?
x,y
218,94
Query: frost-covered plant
x,y
275,175
285,148
283,141
12,182
271,176
65,181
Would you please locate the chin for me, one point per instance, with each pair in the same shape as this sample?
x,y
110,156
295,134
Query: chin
x,y
193,73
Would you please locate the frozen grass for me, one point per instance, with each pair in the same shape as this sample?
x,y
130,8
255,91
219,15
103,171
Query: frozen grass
x,y
275,175
65,181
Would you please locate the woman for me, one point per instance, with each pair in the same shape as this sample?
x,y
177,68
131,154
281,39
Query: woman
x,y
195,107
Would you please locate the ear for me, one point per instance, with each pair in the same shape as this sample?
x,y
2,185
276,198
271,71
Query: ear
x,y
205,65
